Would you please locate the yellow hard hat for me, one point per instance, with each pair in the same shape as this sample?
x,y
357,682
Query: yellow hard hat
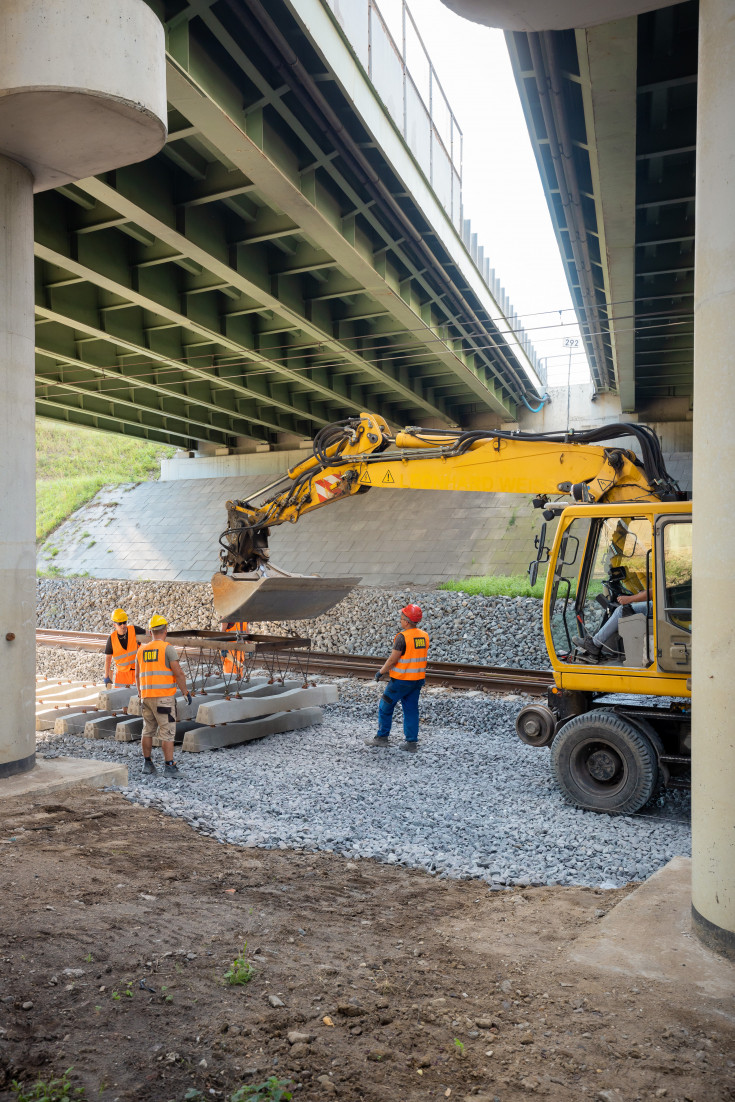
x,y
157,622
119,617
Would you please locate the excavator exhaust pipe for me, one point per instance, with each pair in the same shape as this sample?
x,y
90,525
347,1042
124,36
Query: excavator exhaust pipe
x,y
276,596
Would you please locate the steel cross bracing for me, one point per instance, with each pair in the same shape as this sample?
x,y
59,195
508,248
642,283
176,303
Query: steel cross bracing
x,y
267,272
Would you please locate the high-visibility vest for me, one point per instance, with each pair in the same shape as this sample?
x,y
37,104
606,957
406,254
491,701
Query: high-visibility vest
x,y
411,666
154,676
124,657
232,661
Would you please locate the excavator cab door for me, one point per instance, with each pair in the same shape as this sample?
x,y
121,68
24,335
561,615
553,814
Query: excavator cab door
x,y
674,593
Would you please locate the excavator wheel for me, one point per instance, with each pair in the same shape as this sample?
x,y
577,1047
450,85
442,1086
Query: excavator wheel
x,y
601,762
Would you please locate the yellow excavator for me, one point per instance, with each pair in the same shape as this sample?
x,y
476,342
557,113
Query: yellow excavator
x,y
617,718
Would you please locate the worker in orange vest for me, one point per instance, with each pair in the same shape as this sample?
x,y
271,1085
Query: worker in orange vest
x,y
158,674
122,646
232,659
406,665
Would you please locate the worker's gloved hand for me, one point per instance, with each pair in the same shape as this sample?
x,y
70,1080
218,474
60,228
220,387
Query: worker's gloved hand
x,y
188,698
378,675
108,681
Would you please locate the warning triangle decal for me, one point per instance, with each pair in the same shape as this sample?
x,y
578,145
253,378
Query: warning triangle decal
x,y
365,478
388,477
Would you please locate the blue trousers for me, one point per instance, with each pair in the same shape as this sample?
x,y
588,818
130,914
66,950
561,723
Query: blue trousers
x,y
407,692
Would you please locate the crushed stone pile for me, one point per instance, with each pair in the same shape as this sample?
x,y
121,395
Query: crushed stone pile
x,y
493,631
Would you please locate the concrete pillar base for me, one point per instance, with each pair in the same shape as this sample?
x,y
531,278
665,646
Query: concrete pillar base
x,y
54,773
20,765
714,937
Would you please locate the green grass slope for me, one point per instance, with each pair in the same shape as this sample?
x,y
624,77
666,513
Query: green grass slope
x,y
73,463
497,585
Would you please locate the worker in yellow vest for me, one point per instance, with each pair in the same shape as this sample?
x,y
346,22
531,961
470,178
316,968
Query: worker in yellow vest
x,y
122,647
406,665
158,674
231,659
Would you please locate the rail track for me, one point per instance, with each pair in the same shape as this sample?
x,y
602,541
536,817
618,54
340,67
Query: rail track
x,y
498,679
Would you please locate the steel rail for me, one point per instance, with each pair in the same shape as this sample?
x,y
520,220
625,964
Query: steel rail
x,y
450,674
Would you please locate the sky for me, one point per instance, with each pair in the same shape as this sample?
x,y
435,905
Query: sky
x,y
502,190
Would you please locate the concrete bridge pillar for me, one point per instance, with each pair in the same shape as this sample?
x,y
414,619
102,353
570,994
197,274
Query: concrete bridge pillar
x,y
713,736
17,470
82,91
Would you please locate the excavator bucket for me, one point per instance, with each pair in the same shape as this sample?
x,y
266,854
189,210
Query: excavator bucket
x,y
276,597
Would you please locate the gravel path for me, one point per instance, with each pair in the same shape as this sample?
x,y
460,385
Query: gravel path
x,y
494,631
473,803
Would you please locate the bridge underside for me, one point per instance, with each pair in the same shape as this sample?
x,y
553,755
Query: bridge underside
x,y
269,271
612,115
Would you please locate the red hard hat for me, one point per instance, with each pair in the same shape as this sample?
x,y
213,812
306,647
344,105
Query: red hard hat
x,y
412,613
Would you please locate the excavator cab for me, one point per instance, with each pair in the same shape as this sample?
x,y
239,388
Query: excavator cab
x,y
617,722
642,554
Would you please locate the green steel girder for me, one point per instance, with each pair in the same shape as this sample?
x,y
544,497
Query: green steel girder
x,y
125,196
72,415
230,415
74,324
196,66
201,74
242,282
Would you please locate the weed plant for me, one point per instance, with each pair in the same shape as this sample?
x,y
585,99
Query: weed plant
x,y
55,1090
240,971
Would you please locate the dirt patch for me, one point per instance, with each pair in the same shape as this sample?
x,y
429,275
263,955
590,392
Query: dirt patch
x,y
118,925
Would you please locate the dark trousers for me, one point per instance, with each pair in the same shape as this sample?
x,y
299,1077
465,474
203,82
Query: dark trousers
x,y
407,692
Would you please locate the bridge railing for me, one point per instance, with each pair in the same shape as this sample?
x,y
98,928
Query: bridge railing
x,y
410,89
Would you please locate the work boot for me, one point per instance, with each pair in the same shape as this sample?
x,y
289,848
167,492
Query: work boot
x,y
170,769
379,740
412,747
148,767
587,644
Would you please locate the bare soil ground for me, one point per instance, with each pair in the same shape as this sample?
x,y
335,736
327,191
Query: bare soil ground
x,y
118,924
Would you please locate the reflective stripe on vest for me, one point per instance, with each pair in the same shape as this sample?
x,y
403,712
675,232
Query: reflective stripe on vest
x,y
232,662
411,666
124,657
155,678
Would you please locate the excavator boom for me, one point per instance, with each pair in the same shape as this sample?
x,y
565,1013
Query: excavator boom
x,y
361,454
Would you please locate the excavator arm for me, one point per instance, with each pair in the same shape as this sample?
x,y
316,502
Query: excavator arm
x,y
359,454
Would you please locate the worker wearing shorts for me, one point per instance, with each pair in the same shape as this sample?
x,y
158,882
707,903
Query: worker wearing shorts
x,y
158,675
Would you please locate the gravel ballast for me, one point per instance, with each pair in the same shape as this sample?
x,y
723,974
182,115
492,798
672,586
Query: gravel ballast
x,y
472,803
493,631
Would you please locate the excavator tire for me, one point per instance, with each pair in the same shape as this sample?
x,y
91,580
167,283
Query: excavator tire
x,y
601,762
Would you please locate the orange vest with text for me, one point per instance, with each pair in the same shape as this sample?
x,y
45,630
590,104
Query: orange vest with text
x,y
124,657
232,662
411,666
155,678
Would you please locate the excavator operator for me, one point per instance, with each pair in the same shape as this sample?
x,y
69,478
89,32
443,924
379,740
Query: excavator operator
x,y
406,665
